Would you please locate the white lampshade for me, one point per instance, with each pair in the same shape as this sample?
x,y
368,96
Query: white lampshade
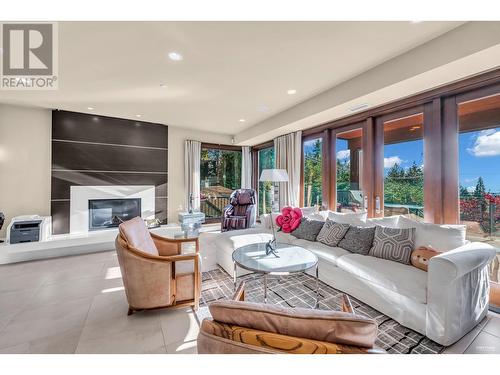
x,y
274,175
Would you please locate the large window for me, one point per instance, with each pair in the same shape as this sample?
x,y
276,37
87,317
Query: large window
x,y
349,170
479,171
220,174
404,167
313,172
266,161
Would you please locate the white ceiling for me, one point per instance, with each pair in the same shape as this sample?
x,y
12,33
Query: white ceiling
x,y
230,70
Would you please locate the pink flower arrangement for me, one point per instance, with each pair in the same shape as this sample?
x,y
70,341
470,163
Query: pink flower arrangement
x,y
289,220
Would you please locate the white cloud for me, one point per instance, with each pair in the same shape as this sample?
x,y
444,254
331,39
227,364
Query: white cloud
x,y
392,160
343,154
487,144
471,189
471,179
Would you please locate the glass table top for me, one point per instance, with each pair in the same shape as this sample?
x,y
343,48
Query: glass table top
x,y
290,258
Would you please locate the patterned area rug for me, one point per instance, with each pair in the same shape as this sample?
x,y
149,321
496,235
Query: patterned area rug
x,y
300,291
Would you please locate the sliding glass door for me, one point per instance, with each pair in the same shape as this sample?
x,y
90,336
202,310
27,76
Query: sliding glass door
x,y
313,171
265,160
399,177
349,169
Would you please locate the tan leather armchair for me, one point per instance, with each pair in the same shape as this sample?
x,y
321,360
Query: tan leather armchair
x,y
239,327
155,272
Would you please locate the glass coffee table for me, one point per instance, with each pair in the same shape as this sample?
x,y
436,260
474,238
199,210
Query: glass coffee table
x,y
291,259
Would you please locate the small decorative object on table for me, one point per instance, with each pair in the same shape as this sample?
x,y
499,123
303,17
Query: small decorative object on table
x,y
152,223
288,221
2,220
191,222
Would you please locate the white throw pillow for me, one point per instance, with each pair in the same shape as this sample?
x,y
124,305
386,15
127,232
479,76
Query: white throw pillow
x,y
439,237
308,210
355,218
265,219
389,221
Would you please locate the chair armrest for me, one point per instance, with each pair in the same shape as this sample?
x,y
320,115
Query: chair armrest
x,y
453,264
172,246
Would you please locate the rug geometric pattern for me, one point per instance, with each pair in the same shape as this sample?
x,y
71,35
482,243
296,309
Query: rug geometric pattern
x,y
299,290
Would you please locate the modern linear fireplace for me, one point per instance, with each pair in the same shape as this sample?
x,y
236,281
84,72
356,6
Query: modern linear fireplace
x,y
109,213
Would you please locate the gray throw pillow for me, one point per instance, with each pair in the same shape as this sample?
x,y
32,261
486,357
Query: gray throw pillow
x,y
358,240
332,233
393,244
308,229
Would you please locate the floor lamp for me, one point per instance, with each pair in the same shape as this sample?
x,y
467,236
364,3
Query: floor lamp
x,y
274,176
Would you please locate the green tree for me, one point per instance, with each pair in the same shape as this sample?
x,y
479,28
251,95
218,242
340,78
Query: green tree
x,y
464,193
404,186
313,174
479,193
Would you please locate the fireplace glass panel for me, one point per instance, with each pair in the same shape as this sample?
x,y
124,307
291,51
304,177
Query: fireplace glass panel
x,y
109,213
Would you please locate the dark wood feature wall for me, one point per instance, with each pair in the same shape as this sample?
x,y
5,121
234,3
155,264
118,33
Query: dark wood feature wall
x,y
97,150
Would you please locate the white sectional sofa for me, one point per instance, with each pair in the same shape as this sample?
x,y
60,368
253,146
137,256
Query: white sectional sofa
x,y
444,303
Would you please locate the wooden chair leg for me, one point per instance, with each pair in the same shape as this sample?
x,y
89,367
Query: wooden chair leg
x,y
239,294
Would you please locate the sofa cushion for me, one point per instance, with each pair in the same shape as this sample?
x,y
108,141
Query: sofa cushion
x,y
308,229
400,278
327,253
358,240
324,325
332,233
354,218
394,244
442,237
229,241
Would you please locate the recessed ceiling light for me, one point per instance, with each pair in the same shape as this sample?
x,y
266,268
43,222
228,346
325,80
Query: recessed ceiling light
x,y
138,115
175,56
162,85
90,108
291,92
241,120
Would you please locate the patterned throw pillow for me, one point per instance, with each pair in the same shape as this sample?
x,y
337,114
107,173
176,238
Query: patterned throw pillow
x,y
332,233
308,229
358,240
393,244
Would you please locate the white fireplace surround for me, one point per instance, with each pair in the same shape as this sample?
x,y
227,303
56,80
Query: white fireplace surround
x,y
80,196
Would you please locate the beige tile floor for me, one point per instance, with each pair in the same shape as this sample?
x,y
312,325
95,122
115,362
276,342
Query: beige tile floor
x,y
77,305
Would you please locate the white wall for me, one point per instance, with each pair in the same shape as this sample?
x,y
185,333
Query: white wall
x,y
176,189
25,161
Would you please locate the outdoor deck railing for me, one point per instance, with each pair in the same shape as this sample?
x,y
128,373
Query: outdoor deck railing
x,y
213,206
482,211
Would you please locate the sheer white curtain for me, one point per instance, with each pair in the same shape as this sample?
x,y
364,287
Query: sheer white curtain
x,y
192,159
288,155
246,168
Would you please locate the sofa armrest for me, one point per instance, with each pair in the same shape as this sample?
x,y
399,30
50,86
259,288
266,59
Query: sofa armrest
x,y
457,291
453,264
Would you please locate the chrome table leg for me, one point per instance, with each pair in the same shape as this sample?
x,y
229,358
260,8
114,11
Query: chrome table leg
x,y
265,288
234,275
317,286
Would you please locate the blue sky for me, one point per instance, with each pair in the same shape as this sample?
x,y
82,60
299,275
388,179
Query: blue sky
x,y
479,155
